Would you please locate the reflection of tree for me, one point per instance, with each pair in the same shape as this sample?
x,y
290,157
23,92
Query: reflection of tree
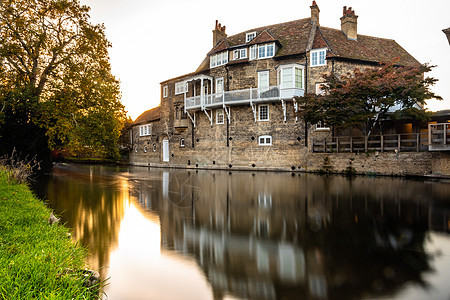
x,y
91,205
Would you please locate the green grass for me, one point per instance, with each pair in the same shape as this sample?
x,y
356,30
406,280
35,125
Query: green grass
x,y
36,259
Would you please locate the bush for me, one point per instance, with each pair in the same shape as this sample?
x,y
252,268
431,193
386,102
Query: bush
x,y
17,169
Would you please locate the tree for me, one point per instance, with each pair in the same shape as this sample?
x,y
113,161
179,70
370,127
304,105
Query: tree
x,y
57,89
365,97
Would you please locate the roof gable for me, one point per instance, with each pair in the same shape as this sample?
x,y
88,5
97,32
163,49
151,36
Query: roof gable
x,y
263,37
148,116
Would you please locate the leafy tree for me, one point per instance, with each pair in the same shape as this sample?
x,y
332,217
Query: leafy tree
x,y
365,97
57,90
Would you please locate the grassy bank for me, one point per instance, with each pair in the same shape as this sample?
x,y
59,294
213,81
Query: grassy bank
x,y
37,260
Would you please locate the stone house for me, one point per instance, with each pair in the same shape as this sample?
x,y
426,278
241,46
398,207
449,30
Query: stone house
x,y
237,110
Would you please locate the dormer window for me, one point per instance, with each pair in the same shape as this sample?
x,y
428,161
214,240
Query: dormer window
x,y
218,59
250,36
318,57
267,50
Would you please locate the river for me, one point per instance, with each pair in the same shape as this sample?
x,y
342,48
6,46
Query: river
x,y
184,234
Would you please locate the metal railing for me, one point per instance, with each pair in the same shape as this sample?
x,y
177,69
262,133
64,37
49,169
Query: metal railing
x,y
241,97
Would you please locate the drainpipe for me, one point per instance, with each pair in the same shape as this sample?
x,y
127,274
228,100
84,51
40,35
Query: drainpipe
x,y
227,89
306,91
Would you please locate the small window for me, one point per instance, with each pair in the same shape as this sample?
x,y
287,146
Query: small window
x,y
318,57
145,149
320,88
218,59
265,140
219,85
182,143
250,36
321,126
263,112
253,52
165,91
179,88
240,54
145,130
219,116
136,148
265,51
154,147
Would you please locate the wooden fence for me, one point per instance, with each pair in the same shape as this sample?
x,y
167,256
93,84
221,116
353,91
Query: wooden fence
x,y
410,142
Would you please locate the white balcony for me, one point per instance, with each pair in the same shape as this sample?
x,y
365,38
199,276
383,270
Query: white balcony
x,y
239,97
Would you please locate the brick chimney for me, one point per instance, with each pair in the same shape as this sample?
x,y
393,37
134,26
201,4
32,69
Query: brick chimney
x,y
218,33
349,23
315,12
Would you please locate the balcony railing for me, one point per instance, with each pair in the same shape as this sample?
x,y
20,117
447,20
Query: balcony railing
x,y
246,96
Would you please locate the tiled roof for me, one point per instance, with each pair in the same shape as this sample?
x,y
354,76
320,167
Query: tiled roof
x,y
365,48
293,38
148,116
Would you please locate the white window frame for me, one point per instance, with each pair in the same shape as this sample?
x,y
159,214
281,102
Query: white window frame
x,y
318,88
182,144
318,57
218,59
263,83
253,52
243,53
263,50
259,113
265,140
145,130
293,83
180,87
220,116
249,36
219,85
320,126
165,91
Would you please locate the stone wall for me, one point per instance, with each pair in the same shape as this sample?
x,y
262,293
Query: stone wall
x,y
384,163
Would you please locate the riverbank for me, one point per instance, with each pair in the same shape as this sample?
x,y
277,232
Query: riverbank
x,y
37,260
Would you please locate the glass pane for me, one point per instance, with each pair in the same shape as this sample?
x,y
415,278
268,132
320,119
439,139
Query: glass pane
x,y
270,50
286,77
298,78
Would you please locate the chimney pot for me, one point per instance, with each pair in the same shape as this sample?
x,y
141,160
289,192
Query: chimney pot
x,y
315,12
349,23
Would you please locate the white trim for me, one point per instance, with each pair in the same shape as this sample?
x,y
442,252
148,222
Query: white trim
x,y
145,130
282,69
249,36
182,144
259,113
220,116
165,91
180,87
262,86
219,91
265,140
253,52
318,57
218,59
263,50
165,145
320,127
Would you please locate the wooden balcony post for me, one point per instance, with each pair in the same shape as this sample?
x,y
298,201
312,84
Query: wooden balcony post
x,y
399,142
382,143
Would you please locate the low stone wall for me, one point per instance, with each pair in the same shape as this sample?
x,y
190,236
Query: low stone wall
x,y
382,163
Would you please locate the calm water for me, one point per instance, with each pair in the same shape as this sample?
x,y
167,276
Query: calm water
x,y
178,234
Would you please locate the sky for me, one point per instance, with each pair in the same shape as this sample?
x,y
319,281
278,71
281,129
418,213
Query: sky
x,y
153,41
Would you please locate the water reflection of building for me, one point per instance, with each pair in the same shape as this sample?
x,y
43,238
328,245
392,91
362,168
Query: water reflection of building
x,y
274,237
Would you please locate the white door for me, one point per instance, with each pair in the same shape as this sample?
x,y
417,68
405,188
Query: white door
x,y
165,150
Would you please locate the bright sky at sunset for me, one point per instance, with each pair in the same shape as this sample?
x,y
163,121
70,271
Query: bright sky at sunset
x,y
157,40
